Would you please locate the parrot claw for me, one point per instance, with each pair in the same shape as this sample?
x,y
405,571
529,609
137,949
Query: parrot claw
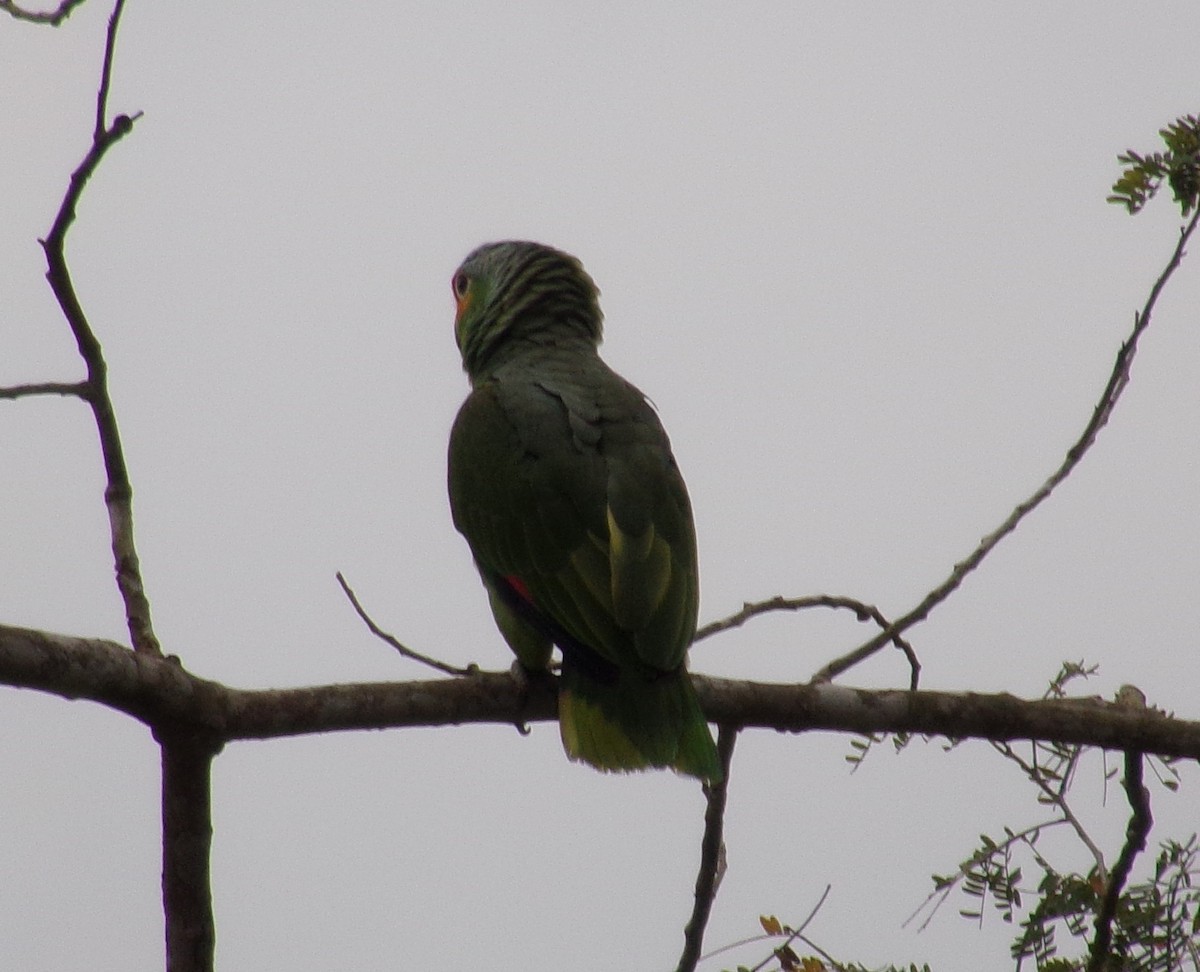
x,y
527,680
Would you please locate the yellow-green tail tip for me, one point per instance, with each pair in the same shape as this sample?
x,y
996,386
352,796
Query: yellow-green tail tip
x,y
635,724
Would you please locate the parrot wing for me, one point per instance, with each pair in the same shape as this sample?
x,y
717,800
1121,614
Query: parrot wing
x,y
565,487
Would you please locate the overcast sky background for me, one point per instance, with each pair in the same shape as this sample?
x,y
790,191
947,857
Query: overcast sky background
x,y
859,256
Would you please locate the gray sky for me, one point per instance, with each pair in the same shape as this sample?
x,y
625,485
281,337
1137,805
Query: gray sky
x,y
858,255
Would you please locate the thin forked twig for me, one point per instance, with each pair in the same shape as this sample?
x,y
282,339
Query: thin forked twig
x,y
1058,799
118,493
862,610
1136,832
1117,381
407,652
712,854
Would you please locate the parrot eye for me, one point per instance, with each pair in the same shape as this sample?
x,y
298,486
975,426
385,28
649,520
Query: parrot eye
x,y
461,285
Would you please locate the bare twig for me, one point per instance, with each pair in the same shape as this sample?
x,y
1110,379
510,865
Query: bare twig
x,y
862,611
75,390
391,640
712,854
1136,832
52,17
1117,381
118,494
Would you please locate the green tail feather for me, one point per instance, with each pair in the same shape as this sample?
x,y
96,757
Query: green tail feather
x,y
636,723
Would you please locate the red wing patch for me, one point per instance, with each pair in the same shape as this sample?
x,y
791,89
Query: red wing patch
x,y
518,585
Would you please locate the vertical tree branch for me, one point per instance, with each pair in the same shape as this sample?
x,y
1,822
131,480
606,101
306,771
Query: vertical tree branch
x,y
118,493
1135,842
187,841
712,855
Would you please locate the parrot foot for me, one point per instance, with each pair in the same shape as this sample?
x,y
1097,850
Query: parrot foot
x,y
530,680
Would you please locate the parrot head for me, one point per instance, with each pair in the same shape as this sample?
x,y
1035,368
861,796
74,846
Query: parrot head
x,y
516,290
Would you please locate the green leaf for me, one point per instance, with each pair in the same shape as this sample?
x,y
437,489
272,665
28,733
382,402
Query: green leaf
x,y
1179,167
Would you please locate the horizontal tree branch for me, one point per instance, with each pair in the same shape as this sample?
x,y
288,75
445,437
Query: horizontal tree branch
x,y
77,389
160,692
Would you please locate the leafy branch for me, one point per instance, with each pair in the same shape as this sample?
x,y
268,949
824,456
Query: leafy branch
x,y
784,958
1178,166
1147,926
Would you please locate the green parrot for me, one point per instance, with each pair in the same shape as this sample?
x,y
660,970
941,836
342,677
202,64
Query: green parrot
x,y
562,481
